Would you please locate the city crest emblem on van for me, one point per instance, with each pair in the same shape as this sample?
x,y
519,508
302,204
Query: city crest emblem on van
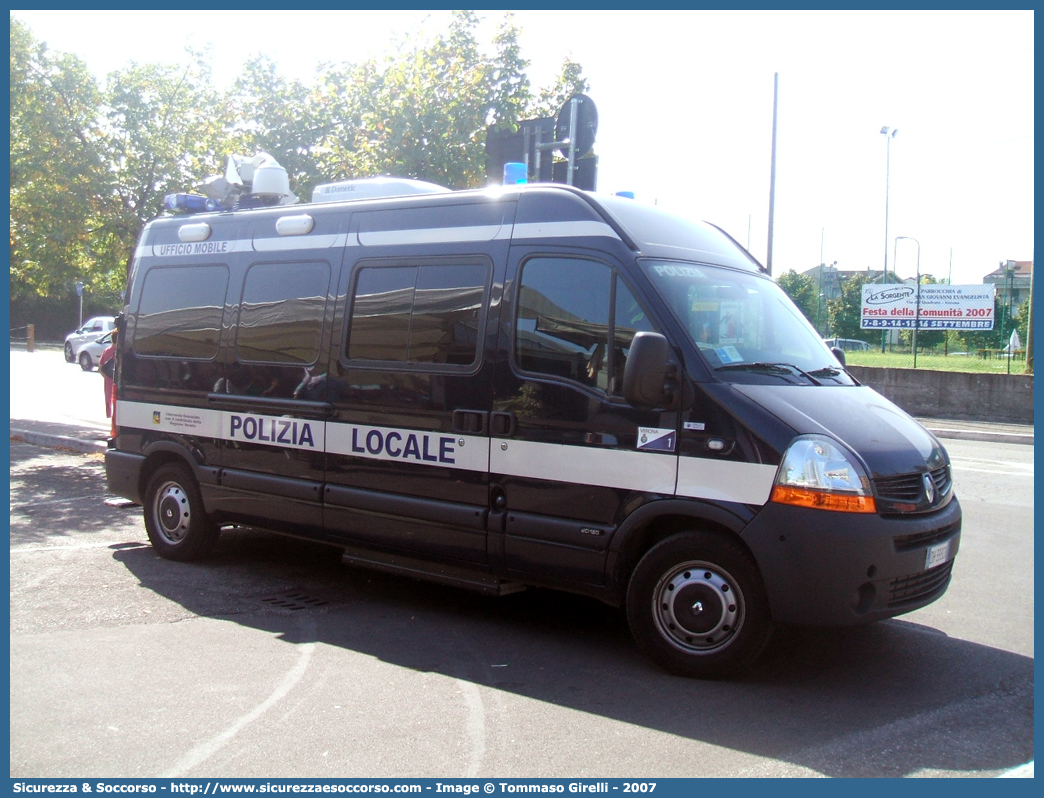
x,y
157,417
654,439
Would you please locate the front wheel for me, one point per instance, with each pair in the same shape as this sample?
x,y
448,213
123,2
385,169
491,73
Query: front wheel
x,y
175,519
85,361
69,354
696,605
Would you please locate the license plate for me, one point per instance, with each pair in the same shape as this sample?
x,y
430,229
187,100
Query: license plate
x,y
937,555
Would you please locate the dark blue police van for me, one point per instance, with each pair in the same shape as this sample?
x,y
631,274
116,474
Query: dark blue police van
x,y
528,386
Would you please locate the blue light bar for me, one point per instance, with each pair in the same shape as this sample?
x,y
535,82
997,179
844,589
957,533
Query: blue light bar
x,y
191,203
515,173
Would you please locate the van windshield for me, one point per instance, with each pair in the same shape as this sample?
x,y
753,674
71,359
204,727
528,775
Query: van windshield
x,y
744,325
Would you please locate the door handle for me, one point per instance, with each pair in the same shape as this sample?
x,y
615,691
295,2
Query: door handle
x,y
502,425
470,421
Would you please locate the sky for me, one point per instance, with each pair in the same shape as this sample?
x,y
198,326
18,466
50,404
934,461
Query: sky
x,y
685,109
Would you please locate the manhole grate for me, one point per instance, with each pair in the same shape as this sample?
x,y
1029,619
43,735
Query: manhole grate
x,y
291,601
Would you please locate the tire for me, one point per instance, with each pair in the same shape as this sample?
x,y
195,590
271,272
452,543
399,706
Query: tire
x,y
85,361
70,357
175,519
696,606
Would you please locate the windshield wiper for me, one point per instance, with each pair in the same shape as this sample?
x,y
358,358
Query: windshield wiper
x,y
828,371
770,368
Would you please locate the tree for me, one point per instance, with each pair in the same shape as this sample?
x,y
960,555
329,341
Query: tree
x,y
90,165
846,310
424,112
166,136
570,81
58,175
802,290
267,113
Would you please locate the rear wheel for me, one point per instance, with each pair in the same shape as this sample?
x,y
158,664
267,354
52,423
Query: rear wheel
x,y
70,357
85,361
175,520
696,605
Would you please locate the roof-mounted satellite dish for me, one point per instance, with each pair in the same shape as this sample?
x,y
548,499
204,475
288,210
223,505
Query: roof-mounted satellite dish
x,y
586,125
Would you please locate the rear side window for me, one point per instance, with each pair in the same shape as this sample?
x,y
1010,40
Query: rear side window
x,y
179,314
281,314
418,315
576,319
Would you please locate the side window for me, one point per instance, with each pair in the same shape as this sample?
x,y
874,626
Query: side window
x,y
281,314
576,319
422,315
179,314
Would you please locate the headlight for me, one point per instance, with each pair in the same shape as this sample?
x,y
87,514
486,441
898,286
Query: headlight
x,y
816,472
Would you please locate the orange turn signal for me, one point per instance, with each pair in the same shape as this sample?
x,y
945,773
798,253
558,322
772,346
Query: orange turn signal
x,y
820,500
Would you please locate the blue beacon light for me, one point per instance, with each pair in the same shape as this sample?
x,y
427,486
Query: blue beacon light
x,y
515,173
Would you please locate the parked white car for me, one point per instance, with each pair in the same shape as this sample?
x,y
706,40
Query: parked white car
x,y
92,329
90,353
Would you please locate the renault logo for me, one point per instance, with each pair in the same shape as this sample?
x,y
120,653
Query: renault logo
x,y
929,487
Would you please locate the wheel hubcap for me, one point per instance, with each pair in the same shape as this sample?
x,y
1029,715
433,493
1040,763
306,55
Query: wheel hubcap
x,y
172,512
698,607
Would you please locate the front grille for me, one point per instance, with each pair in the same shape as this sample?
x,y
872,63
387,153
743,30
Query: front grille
x,y
909,488
942,479
920,587
906,488
924,539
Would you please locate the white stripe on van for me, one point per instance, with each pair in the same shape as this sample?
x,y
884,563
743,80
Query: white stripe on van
x,y
446,449
198,250
433,235
725,480
563,230
286,431
668,474
584,465
304,242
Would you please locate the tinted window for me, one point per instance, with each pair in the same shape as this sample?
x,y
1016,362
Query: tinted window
x,y
571,313
179,314
426,314
281,315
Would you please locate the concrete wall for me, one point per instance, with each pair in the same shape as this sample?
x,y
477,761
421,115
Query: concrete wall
x,y
957,395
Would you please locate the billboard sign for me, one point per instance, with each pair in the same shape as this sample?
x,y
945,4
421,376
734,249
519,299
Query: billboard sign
x,y
942,307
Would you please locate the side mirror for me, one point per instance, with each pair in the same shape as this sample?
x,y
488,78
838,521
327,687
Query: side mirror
x,y
839,354
650,377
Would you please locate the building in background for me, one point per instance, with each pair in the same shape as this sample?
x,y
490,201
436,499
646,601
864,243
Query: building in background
x,y
1012,277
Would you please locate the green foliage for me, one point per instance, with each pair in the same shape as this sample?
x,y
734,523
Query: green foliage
x,y
58,176
163,137
90,164
424,113
570,81
802,290
845,311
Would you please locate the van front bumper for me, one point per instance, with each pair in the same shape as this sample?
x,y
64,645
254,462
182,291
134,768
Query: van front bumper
x,y
825,568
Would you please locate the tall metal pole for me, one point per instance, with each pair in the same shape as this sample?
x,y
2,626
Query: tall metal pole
x,y
946,333
1029,329
917,290
819,295
889,134
917,301
1011,287
772,173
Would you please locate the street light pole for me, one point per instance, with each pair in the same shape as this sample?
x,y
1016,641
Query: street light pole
x,y
1010,272
889,134
917,293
